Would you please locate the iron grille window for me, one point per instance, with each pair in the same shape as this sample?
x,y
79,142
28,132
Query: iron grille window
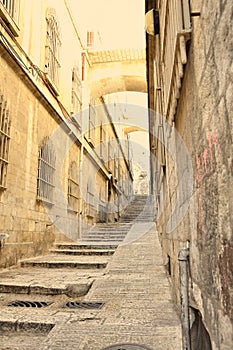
x,y
90,39
76,96
73,188
90,200
4,140
110,153
115,166
91,128
12,7
102,142
53,43
46,173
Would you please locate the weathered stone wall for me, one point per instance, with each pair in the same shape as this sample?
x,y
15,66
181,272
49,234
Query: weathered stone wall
x,y
42,96
27,221
204,121
31,224
21,216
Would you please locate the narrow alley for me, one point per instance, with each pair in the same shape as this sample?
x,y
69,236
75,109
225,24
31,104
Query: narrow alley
x,y
94,293
116,175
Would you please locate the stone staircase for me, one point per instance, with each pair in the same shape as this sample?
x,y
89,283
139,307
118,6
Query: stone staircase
x,y
141,209
89,256
107,234
69,300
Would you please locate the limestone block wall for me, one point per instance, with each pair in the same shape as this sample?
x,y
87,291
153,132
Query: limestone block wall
x,y
31,225
22,218
204,121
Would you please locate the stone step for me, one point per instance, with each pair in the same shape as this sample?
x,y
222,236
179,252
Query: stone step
x,y
139,220
138,216
96,240
104,234
111,225
134,210
135,207
28,289
83,251
71,261
103,243
105,230
64,264
80,289
85,246
45,281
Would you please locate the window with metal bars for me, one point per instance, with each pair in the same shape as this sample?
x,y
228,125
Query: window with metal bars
x,y
90,200
91,127
102,142
76,95
12,7
5,125
115,167
52,47
46,173
111,153
73,188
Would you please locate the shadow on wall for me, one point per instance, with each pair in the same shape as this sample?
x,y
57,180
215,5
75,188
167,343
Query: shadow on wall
x,y
200,339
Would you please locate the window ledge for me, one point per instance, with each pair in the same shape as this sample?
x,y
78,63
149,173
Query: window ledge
x,y
44,201
72,211
8,21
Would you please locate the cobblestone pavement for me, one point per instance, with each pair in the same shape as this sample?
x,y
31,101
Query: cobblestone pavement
x,y
134,288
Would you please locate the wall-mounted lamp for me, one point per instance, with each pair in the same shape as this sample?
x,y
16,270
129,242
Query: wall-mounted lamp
x,y
152,22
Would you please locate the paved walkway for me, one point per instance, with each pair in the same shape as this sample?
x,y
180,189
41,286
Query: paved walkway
x,y
137,309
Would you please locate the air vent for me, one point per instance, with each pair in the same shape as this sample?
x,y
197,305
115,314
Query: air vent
x,y
83,305
23,303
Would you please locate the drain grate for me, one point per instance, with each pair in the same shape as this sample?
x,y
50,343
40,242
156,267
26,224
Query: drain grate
x,y
83,305
23,303
8,327
126,347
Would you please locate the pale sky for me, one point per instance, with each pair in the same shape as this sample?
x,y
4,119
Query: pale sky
x,y
120,22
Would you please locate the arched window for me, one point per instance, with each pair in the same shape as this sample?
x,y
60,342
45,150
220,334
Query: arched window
x,y
52,48
46,172
73,187
4,141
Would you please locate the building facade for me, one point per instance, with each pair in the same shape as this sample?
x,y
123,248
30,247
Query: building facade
x,y
63,166
189,67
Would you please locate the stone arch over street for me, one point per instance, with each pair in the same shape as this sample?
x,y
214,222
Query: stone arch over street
x,y
117,70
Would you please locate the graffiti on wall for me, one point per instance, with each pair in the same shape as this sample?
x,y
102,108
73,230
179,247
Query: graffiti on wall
x,y
205,165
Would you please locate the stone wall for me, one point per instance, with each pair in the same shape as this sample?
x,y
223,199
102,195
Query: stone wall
x,y
22,218
31,224
204,121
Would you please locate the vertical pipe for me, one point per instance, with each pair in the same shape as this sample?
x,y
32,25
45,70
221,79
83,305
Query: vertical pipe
x,y
184,297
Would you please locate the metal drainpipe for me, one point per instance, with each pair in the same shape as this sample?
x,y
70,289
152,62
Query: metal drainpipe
x,y
183,258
